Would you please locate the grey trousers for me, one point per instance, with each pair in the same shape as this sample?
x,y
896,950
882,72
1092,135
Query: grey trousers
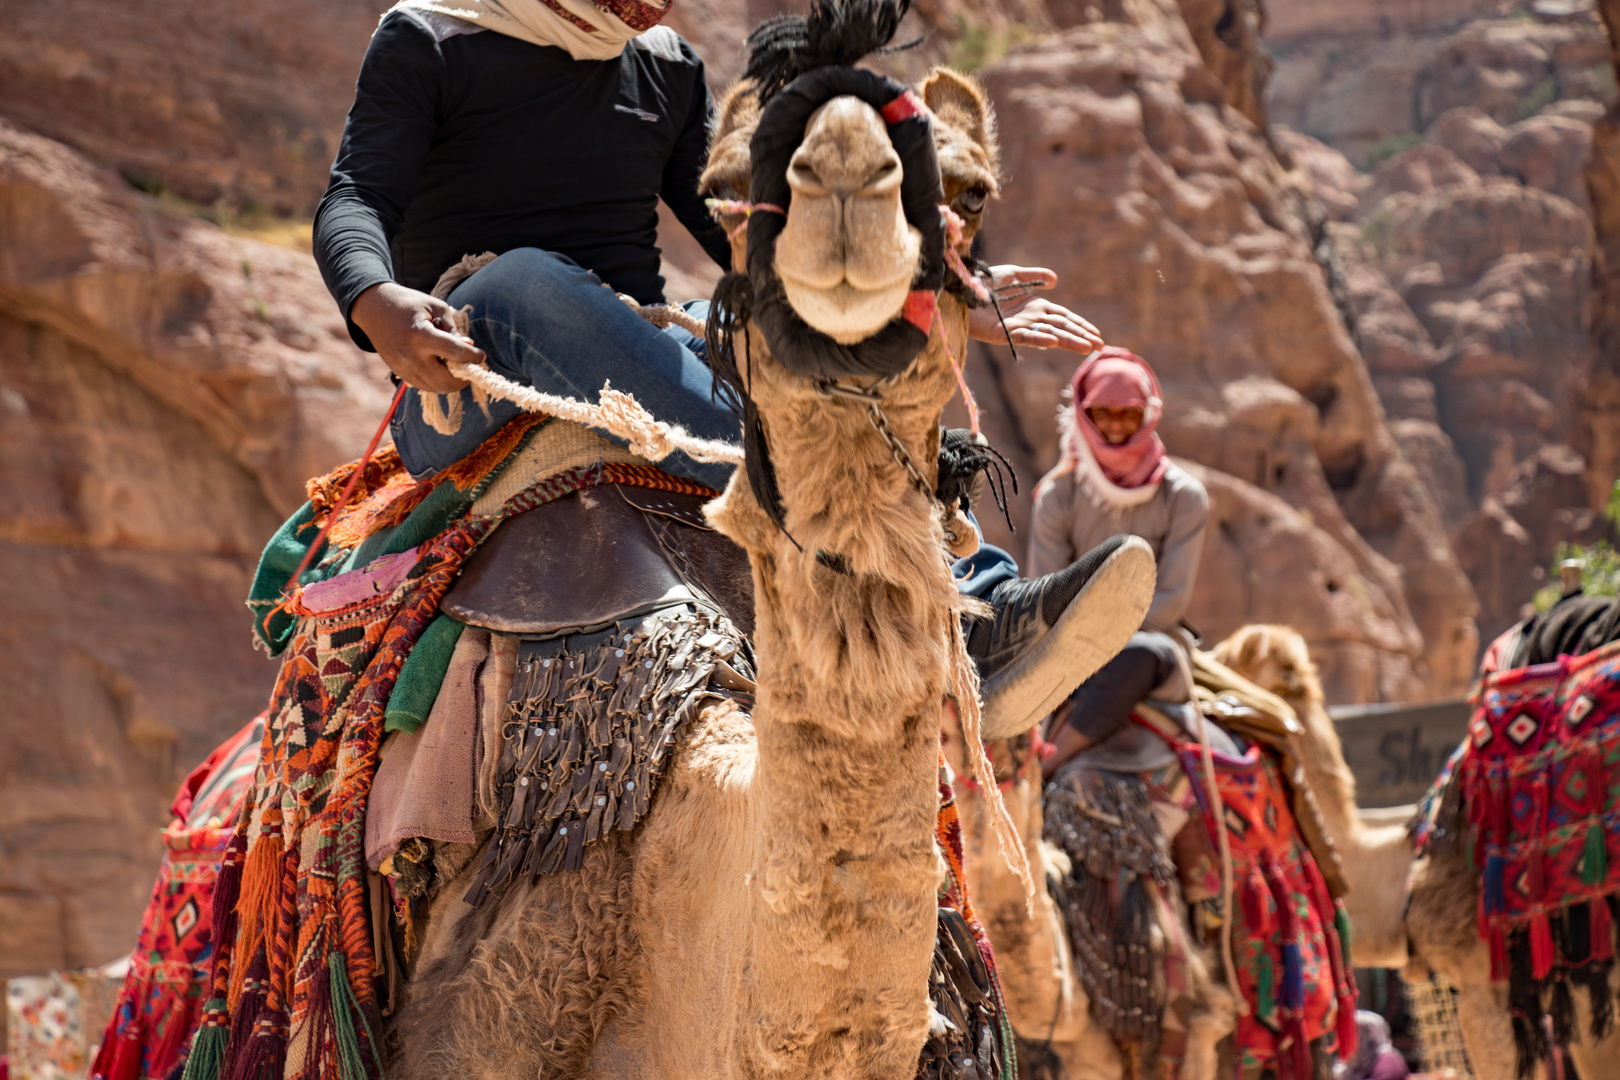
x,y
1104,702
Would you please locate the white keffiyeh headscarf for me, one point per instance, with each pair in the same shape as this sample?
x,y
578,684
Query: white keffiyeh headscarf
x,y
588,29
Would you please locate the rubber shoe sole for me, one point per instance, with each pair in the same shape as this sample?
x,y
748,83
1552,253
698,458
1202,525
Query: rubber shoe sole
x,y
1090,632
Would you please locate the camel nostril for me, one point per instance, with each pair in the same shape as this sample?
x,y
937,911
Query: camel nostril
x,y
887,171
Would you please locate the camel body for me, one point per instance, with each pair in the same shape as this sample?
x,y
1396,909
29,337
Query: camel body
x,y
1443,929
1045,1000
774,915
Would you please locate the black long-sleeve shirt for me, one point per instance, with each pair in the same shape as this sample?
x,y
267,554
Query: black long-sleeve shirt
x,y
464,140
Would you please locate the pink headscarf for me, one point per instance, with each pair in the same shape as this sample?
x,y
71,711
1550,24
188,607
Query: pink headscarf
x,y
1119,379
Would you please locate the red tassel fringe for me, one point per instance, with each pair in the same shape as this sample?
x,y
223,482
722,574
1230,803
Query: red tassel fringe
x,y
1257,904
1541,946
1497,939
181,1018
1345,1027
1602,928
125,1063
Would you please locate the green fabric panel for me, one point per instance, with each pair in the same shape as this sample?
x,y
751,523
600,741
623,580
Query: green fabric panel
x,y
280,558
443,507
422,675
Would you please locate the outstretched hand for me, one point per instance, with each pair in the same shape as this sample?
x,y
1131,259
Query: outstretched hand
x,y
405,328
1033,321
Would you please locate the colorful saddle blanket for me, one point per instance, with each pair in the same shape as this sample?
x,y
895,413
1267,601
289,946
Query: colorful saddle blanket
x,y
1533,795
1290,936
293,989
161,999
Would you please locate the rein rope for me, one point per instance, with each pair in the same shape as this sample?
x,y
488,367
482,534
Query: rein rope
x,y
616,412
1039,750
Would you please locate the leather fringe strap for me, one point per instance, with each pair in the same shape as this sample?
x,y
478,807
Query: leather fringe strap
x,y
591,725
1104,822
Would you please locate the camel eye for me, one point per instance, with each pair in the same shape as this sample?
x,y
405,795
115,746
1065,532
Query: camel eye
x,y
972,200
722,190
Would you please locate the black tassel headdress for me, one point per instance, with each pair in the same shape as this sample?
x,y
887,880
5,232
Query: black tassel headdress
x,y
836,33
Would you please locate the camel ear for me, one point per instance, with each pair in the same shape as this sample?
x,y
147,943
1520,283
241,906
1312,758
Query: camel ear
x,y
738,108
961,102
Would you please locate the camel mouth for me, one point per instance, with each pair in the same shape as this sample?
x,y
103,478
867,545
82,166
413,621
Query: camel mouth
x,y
847,255
845,312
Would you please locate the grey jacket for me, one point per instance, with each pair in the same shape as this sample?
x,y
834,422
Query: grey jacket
x,y
1069,521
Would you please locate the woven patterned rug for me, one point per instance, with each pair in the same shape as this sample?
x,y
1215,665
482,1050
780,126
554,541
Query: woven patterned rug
x,y
161,1000
1290,937
1533,797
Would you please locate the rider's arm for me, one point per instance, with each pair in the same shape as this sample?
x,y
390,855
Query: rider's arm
x,y
1051,544
685,166
1178,565
388,132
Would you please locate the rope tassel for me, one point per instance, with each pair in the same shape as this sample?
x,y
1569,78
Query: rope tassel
x,y
1595,857
1541,946
207,1058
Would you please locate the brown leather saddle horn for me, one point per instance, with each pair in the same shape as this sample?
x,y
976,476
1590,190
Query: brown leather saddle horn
x,y
596,556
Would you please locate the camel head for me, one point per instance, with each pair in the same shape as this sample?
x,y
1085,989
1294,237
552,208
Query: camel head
x,y
847,255
1274,658
849,265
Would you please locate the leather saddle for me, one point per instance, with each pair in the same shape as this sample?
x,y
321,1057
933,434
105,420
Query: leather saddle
x,y
597,556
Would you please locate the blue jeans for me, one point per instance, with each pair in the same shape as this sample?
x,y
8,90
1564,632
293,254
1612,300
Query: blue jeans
x,y
546,322
982,571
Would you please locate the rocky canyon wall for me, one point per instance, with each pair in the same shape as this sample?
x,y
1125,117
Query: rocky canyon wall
x,y
1450,146
1600,399
165,389
1137,173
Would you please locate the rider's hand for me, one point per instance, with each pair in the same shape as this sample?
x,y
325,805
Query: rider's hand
x,y
1038,323
1066,742
400,324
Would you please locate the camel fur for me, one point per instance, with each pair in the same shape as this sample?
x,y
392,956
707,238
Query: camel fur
x,y
774,915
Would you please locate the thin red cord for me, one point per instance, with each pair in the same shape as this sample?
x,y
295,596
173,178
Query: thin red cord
x,y
348,490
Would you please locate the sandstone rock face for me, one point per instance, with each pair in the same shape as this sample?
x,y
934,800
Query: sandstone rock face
x,y
164,391
1335,182
1499,67
1422,170
1256,541
244,104
1292,19
1508,543
1467,270
1169,223
1360,83
1549,152
1472,136
1600,398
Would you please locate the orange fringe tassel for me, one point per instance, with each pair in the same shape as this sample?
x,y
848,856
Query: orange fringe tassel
x,y
258,907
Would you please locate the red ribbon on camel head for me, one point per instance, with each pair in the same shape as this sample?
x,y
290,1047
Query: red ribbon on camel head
x,y
1117,378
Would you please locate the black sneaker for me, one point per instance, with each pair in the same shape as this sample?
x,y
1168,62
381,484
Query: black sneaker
x,y
1049,634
